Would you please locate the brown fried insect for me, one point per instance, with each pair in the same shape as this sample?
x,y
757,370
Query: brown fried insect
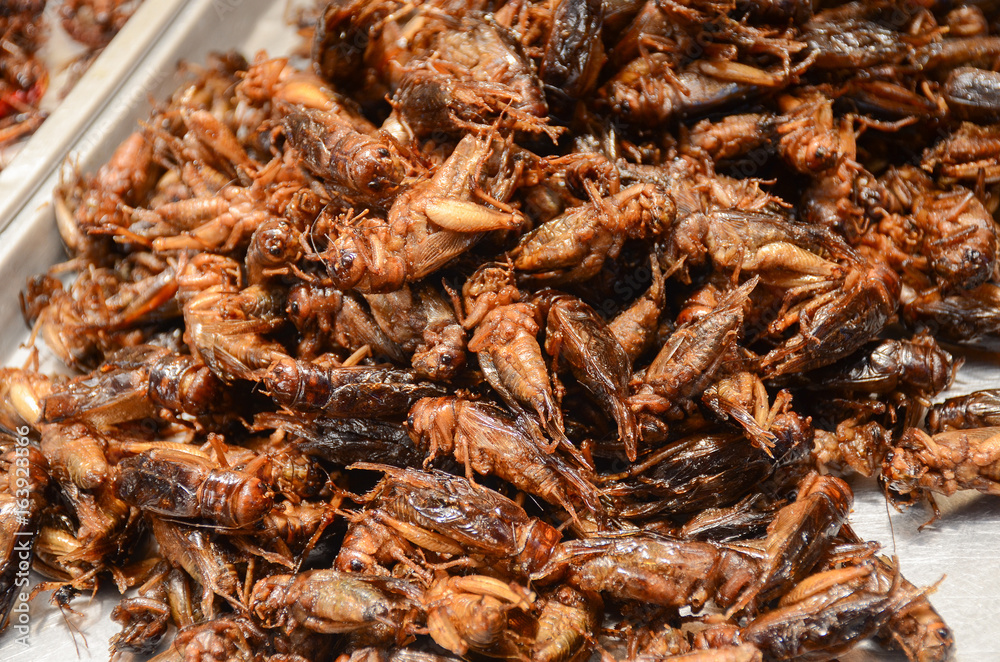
x,y
567,620
100,313
964,317
489,442
225,330
419,320
574,53
374,548
689,475
576,334
178,484
209,562
847,604
429,223
782,253
470,614
918,629
650,569
648,92
573,246
21,395
980,409
344,392
76,455
477,78
275,247
966,154
361,168
144,622
799,535
810,141
125,180
834,325
132,383
918,366
228,637
953,231
510,357
345,440
973,94
686,364
328,601
492,285
946,462
448,514
327,318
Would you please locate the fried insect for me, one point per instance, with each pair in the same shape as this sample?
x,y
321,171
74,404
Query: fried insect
x,y
358,167
649,569
801,531
477,79
226,330
966,154
687,476
328,319
647,91
780,252
834,325
229,637
208,562
488,441
576,334
344,391
574,53
132,383
178,484
962,317
945,463
449,515
847,605
566,620
470,614
420,321
965,412
687,362
573,246
510,357
918,366
328,601
345,441
429,223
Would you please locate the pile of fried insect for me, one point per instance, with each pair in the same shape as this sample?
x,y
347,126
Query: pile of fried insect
x,y
529,330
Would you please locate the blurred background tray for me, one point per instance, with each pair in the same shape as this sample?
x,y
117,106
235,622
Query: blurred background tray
x,y
70,118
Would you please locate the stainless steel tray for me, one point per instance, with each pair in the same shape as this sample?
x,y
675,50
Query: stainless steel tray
x,y
962,545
